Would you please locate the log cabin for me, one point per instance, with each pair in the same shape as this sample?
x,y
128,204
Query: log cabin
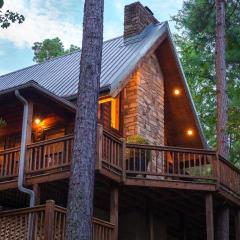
x,y
156,178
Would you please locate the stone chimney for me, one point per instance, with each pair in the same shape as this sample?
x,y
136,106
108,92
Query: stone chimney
x,y
136,18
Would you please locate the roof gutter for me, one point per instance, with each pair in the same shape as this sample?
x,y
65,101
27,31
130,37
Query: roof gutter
x,y
23,150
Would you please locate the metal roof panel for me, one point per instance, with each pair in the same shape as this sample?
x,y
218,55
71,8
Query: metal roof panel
x,y
60,75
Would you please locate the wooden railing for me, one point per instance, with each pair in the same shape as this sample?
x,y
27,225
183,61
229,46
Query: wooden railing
x,y
49,154
9,162
229,175
164,162
45,222
127,161
111,152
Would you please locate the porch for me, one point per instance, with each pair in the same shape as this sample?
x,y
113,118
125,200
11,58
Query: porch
x,y
45,222
129,164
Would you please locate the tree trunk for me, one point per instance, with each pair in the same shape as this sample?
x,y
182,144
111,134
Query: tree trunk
x,y
81,186
222,98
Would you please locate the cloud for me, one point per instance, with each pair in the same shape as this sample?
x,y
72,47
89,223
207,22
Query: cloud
x,y
3,71
44,19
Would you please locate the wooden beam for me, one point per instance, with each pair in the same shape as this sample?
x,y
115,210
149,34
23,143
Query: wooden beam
x,y
223,223
237,224
36,190
99,146
29,122
49,220
151,223
114,211
209,216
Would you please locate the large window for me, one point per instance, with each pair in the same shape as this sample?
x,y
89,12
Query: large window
x,y
109,112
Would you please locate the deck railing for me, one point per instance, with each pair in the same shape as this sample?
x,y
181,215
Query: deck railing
x,y
111,152
9,162
164,162
45,222
229,176
127,161
49,154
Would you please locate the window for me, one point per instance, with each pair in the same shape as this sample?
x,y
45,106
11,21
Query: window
x,y
109,112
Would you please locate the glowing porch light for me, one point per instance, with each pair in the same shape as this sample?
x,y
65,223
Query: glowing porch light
x,y
189,132
37,121
176,92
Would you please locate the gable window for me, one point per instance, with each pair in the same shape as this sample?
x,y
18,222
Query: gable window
x,y
109,112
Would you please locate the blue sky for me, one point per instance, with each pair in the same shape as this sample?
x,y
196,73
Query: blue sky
x,y
63,19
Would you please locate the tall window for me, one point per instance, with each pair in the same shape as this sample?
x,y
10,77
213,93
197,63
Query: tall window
x,y
109,112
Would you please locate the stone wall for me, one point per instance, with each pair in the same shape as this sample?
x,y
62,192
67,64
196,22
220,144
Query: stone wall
x,y
144,103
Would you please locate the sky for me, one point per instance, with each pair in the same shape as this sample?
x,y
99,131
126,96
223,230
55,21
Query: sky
x,y
63,19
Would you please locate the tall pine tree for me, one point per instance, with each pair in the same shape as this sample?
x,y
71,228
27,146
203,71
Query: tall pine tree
x,y
81,186
222,97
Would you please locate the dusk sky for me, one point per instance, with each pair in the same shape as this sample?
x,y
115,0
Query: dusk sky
x,y
63,19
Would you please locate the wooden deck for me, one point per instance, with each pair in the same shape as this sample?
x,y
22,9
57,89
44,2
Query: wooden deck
x,y
130,164
45,222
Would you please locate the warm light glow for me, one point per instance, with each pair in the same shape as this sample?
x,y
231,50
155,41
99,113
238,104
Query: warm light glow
x,y
37,121
176,92
189,132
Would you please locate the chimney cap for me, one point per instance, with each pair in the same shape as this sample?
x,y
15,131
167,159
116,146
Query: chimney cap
x,y
149,10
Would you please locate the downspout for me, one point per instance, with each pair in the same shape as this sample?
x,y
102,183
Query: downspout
x,y
23,150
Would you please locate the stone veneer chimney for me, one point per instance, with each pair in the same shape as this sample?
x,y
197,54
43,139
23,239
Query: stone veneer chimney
x,y
136,18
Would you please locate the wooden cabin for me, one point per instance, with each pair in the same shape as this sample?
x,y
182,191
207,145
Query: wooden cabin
x,y
156,177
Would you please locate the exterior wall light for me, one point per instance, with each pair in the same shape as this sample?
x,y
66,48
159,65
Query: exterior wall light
x,y
189,132
176,92
37,121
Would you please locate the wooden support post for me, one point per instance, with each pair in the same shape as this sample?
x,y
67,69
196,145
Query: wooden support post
x,y
123,159
29,122
29,131
151,224
209,217
49,220
237,224
99,146
36,189
114,211
223,223
183,227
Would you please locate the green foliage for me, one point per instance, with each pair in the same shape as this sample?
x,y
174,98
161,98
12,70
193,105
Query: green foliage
x,y
9,17
137,139
3,123
196,44
1,3
50,48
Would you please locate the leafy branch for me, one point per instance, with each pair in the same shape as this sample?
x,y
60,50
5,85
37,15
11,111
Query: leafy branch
x,y
9,17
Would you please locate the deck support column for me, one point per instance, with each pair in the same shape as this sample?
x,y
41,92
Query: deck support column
x,y
151,224
29,123
36,189
209,216
49,220
114,211
223,223
237,224
99,146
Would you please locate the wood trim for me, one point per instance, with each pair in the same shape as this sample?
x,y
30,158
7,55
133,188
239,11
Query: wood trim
x,y
49,220
170,184
237,224
114,211
209,216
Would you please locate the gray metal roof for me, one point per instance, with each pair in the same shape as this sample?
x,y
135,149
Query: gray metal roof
x,y
60,75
